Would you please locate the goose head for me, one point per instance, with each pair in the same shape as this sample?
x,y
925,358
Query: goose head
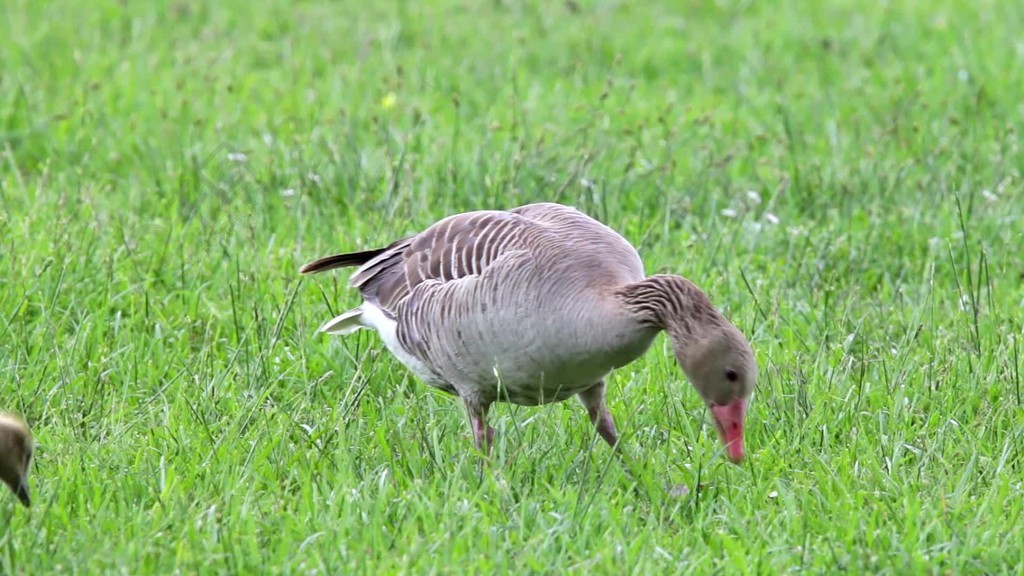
x,y
720,364
16,448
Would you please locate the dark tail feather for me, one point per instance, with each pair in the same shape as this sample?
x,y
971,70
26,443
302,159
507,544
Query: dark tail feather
x,y
341,261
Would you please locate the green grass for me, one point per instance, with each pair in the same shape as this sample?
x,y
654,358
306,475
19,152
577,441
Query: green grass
x,y
156,335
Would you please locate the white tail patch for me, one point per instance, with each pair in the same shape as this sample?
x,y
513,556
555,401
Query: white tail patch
x,y
346,323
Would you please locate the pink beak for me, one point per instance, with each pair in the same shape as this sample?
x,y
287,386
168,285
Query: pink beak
x,y
729,421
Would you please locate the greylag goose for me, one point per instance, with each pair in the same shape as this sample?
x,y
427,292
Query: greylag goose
x,y
537,304
15,455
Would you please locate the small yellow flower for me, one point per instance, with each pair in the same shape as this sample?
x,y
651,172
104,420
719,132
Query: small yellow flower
x,y
388,101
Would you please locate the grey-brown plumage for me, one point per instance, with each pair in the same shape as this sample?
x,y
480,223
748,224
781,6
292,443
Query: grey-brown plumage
x,y
534,305
15,455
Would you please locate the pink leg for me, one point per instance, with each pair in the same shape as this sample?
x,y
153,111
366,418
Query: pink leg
x,y
483,434
593,400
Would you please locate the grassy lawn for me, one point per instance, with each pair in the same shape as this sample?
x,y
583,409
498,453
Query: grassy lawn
x,y
844,178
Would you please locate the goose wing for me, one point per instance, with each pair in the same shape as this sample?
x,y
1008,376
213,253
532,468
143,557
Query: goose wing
x,y
456,247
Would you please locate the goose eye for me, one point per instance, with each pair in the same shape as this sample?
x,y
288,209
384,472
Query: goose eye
x,y
731,375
